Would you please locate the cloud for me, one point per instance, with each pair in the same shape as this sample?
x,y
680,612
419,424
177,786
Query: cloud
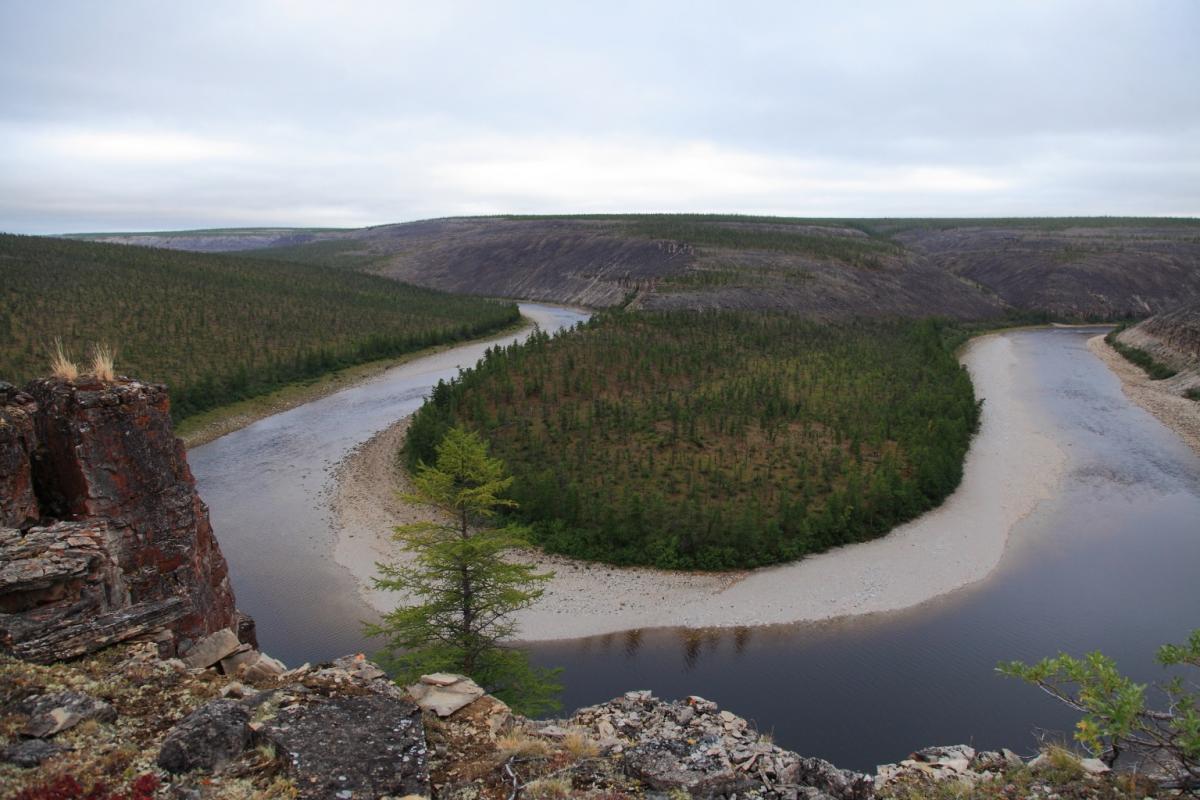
x,y
139,115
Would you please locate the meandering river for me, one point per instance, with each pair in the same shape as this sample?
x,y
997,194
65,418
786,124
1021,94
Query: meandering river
x,y
1111,562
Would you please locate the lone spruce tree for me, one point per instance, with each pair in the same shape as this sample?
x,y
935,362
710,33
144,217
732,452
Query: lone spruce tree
x,y
463,592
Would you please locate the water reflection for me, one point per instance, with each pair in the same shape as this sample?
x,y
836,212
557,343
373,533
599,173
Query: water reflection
x,y
1109,563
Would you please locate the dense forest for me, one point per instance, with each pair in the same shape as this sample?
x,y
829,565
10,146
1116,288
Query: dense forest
x,y
216,328
708,440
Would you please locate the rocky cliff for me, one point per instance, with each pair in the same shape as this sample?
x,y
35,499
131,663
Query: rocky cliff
x,y
1172,338
102,534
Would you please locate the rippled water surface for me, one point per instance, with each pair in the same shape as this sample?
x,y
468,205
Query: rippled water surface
x,y
1111,562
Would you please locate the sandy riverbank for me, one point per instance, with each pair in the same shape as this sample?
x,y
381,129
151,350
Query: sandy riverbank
x,y
1010,467
1178,413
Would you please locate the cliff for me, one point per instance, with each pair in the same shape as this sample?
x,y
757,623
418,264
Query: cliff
x,y
102,534
1171,338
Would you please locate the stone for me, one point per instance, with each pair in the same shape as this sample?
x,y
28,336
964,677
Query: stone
x,y
944,754
261,668
31,752
369,745
1094,766
441,679
208,738
838,783
442,697
211,649
674,766
230,664
53,713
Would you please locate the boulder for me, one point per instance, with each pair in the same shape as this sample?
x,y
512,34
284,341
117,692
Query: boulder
x,y
261,667
31,752
53,713
443,693
363,746
674,765
208,738
211,649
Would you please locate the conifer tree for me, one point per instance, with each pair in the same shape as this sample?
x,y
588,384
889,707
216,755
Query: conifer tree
x,y
463,591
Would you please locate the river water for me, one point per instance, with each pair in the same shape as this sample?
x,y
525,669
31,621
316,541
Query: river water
x,y
1111,562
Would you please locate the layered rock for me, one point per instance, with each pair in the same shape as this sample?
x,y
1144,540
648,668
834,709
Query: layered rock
x,y
126,548
18,503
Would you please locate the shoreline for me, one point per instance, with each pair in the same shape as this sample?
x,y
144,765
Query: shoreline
x,y
1010,467
210,425
1178,413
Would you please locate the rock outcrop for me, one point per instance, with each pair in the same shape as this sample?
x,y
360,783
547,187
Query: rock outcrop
x,y
102,534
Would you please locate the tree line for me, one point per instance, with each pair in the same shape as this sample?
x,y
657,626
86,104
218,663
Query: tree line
x,y
216,328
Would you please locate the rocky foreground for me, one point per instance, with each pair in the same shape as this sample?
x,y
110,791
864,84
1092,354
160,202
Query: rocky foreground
x,y
125,723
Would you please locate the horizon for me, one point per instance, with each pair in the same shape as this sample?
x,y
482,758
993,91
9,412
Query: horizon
x,y
144,117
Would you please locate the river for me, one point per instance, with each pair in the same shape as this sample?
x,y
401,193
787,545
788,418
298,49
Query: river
x,y
1110,562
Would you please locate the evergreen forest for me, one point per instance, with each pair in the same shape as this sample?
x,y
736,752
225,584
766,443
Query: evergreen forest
x,y
715,440
215,328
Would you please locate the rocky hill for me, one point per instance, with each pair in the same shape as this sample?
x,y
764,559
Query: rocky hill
x,y
972,269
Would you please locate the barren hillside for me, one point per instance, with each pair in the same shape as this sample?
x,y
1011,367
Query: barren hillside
x,y
1099,268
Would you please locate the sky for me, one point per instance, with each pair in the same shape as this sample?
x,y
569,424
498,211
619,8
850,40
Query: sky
x,y
123,116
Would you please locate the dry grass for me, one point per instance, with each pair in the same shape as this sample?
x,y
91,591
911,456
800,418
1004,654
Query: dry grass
x,y
580,746
103,356
61,366
520,745
548,789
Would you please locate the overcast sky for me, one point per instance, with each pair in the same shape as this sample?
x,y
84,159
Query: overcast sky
x,y
163,115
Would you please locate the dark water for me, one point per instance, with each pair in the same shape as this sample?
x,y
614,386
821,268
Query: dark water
x,y
267,488
1112,562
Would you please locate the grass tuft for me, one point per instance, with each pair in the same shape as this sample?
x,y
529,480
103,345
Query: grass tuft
x,y
61,365
521,745
103,356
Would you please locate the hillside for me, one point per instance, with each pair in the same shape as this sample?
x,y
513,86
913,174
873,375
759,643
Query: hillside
x,y
217,328
1068,268
1172,337
712,440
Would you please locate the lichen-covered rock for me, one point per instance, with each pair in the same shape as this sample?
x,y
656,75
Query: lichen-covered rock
x,y
125,538
29,753
694,747
53,713
108,451
352,746
208,738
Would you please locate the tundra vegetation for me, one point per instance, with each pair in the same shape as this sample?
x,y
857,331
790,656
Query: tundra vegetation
x,y
216,328
714,440
1135,355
